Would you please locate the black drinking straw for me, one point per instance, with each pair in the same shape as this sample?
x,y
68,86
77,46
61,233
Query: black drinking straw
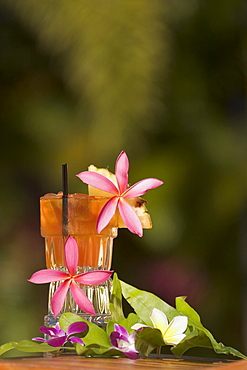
x,y
65,199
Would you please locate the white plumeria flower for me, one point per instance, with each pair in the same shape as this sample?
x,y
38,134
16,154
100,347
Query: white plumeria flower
x,y
172,333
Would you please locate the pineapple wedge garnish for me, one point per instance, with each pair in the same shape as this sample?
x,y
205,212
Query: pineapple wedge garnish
x,y
137,203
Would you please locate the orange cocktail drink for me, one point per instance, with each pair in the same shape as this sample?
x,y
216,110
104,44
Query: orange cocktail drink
x,y
95,250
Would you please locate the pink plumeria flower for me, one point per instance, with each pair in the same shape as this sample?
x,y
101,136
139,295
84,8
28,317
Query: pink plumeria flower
x,y
70,279
120,193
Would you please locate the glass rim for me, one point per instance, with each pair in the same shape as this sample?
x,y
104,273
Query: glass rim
x,y
72,196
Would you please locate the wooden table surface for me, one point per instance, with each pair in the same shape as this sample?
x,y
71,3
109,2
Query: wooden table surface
x,y
82,363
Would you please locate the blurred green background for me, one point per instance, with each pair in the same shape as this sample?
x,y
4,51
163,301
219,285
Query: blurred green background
x,y
164,80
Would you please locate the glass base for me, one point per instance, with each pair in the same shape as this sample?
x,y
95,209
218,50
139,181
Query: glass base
x,y
101,319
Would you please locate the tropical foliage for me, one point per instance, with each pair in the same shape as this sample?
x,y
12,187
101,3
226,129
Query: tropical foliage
x,y
118,342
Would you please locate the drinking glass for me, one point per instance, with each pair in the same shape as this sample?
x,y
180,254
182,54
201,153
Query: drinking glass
x,y
95,250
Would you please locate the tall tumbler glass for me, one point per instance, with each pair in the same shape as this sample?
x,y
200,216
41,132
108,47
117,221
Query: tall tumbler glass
x,y
95,250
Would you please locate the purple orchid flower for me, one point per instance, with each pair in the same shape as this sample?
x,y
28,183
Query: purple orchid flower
x,y
58,336
70,280
123,341
120,193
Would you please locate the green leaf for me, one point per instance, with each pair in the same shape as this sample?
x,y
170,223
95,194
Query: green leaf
x,y
97,351
131,320
116,307
182,306
194,339
144,302
199,336
117,315
28,346
7,347
147,339
96,336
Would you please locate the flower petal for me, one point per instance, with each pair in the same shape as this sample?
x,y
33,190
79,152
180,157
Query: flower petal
x,y
129,217
132,354
76,340
141,187
98,181
159,320
139,326
59,297
176,327
59,332
71,255
52,331
93,277
39,339
121,330
106,214
132,338
114,337
48,276
175,339
121,171
57,342
77,327
81,300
